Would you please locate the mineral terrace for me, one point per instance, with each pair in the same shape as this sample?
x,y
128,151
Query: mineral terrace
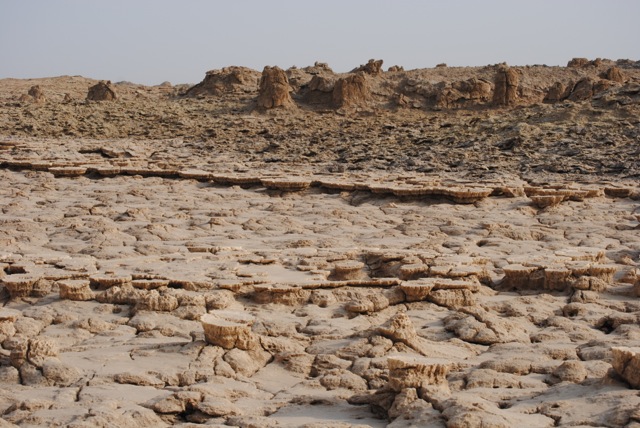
x,y
447,247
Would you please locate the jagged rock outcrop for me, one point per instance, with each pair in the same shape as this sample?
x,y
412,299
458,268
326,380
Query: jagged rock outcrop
x,y
557,92
373,67
227,80
464,92
582,90
319,91
102,91
351,91
35,95
614,74
577,62
274,90
506,83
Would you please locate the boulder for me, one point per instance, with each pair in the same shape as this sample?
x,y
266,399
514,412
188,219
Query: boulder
x,y
101,91
274,89
582,90
571,371
506,86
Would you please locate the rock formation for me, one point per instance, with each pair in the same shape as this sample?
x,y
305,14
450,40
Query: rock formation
x,y
36,94
614,74
577,62
351,91
506,83
373,67
101,91
626,363
227,80
274,89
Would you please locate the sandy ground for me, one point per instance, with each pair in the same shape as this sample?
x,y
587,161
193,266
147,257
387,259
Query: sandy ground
x,y
371,268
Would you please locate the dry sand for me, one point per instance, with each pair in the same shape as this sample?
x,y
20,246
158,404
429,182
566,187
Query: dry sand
x,y
169,260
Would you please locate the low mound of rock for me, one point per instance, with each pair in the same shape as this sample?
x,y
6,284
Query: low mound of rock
x,y
227,80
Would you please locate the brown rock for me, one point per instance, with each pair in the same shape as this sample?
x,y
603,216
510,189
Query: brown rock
x,y
614,74
101,91
373,67
247,362
578,62
557,92
319,90
227,80
274,89
36,94
582,90
351,91
452,299
506,86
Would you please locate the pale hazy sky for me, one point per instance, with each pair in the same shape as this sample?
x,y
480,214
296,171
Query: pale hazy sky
x,y
151,41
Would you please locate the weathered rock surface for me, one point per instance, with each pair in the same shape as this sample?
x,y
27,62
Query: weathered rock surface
x,y
101,91
446,262
351,91
506,84
227,80
274,89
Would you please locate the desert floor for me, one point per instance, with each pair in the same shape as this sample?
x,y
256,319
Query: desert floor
x,y
186,261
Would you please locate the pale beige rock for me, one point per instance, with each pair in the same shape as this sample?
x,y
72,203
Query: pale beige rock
x,y
60,374
247,362
399,328
416,372
476,325
571,371
229,329
452,299
76,289
155,301
341,378
348,270
626,362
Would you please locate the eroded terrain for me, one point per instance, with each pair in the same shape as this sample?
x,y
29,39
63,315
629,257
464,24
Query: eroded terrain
x,y
415,267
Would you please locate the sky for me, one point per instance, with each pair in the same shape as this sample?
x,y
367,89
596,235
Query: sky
x,y
153,41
